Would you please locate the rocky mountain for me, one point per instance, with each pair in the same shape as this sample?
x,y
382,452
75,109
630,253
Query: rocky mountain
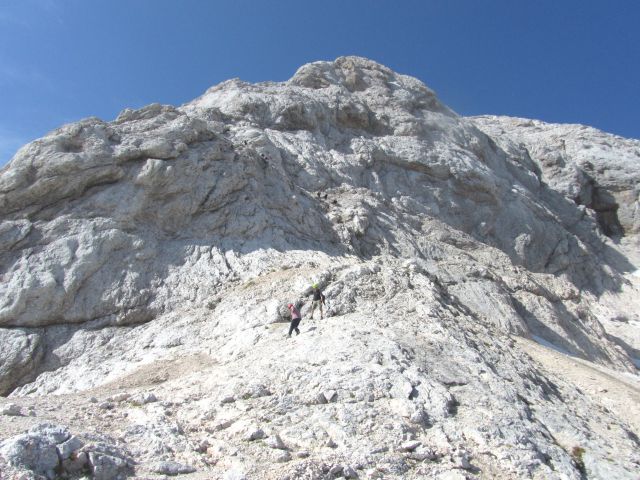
x,y
480,273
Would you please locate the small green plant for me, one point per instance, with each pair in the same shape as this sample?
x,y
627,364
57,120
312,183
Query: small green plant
x,y
577,454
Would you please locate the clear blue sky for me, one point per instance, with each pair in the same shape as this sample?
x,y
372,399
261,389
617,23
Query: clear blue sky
x,y
574,61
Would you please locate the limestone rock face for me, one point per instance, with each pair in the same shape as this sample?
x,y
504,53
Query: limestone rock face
x,y
593,168
146,264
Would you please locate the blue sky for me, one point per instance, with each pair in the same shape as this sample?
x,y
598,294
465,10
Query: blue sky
x,y
573,61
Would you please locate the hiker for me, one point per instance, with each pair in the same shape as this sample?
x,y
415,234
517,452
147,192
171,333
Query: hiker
x,y
318,301
295,319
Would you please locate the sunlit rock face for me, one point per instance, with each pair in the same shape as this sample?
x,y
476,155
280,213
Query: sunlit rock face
x,y
172,238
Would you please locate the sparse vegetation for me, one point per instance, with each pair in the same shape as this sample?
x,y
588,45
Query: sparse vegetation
x,y
577,454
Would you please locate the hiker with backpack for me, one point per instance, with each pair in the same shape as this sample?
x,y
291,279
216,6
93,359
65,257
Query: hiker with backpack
x,y
318,301
295,319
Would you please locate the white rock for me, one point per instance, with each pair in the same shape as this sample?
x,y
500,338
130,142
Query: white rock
x,y
409,446
10,409
330,395
274,441
143,398
171,468
234,475
120,397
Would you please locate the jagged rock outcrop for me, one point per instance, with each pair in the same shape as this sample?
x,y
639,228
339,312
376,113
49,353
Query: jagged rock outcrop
x,y
160,249
593,168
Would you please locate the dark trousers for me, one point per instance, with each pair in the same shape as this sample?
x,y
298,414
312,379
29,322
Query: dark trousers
x,y
294,326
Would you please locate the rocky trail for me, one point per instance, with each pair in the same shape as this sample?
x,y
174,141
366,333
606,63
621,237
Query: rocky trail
x,y
613,390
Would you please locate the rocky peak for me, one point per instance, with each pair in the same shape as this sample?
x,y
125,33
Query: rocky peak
x,y
154,256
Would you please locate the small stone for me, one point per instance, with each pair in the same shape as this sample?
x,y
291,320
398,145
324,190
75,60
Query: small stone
x,y
106,467
203,446
335,470
409,446
274,441
302,454
254,434
418,416
461,459
10,409
227,399
283,457
143,398
421,454
321,399
349,472
67,448
171,468
330,443
330,396
222,424
381,449
120,397
93,400
106,406
374,473
75,463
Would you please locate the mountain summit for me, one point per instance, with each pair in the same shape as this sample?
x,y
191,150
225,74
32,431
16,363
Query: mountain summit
x,y
468,264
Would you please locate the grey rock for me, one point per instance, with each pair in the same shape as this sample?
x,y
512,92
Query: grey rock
x,y
461,459
422,453
274,441
171,468
330,443
283,457
22,353
76,463
67,448
254,433
106,467
31,452
349,472
11,410
55,434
